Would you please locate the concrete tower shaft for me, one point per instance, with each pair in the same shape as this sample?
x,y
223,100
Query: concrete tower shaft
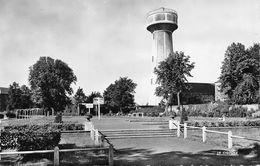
x,y
161,23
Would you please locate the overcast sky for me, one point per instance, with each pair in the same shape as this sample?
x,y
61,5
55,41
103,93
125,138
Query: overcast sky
x,y
102,40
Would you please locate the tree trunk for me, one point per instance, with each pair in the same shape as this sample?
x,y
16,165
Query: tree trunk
x,y
179,106
178,98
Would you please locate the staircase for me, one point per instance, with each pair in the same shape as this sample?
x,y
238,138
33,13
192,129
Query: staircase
x,y
141,133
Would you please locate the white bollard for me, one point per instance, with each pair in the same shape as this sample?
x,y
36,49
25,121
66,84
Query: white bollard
x,y
185,131
96,137
88,125
230,142
178,129
172,124
204,134
92,134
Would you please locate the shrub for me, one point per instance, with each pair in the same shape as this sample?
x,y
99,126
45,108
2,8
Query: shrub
x,y
220,124
58,118
2,116
70,126
10,115
213,124
30,137
151,111
218,110
237,112
184,115
205,123
197,124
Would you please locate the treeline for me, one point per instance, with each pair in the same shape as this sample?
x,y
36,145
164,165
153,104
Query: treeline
x,y
50,88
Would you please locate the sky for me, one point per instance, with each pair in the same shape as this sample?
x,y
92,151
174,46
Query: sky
x,y
103,40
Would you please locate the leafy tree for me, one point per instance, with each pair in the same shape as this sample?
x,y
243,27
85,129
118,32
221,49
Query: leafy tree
x,y
172,74
119,96
90,100
92,96
50,82
19,97
229,73
80,96
240,73
26,101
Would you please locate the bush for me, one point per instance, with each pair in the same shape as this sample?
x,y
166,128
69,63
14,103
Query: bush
x,y
70,126
184,115
10,115
30,137
233,123
2,116
237,112
58,118
220,124
150,111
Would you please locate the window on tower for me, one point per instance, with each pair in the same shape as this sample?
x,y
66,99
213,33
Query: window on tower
x,y
170,17
159,17
152,58
151,81
150,19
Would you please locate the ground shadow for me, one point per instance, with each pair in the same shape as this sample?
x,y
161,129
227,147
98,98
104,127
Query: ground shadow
x,y
129,156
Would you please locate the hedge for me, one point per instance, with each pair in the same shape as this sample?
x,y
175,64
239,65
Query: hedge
x,y
30,137
224,123
11,115
218,110
61,126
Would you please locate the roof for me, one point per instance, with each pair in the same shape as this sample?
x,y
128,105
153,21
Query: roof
x,y
4,90
162,10
202,88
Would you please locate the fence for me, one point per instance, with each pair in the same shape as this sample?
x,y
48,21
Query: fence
x,y
56,151
95,135
204,130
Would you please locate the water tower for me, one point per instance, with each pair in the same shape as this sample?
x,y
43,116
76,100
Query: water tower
x,y
161,23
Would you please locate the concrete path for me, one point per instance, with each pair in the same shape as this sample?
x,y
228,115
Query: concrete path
x,y
166,151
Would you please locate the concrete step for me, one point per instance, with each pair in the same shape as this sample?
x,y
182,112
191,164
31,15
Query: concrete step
x,y
140,136
136,130
127,132
140,133
137,134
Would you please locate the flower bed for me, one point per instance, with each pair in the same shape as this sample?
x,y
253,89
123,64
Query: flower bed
x,y
228,123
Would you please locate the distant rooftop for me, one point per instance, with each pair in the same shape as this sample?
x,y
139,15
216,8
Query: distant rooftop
x,y
202,88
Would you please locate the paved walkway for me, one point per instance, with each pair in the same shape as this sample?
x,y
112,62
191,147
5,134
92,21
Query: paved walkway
x,y
166,151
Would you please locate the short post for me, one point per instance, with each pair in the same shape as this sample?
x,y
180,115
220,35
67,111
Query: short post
x,y
85,126
230,143
111,156
56,159
52,112
96,137
204,134
185,131
102,140
92,133
178,129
